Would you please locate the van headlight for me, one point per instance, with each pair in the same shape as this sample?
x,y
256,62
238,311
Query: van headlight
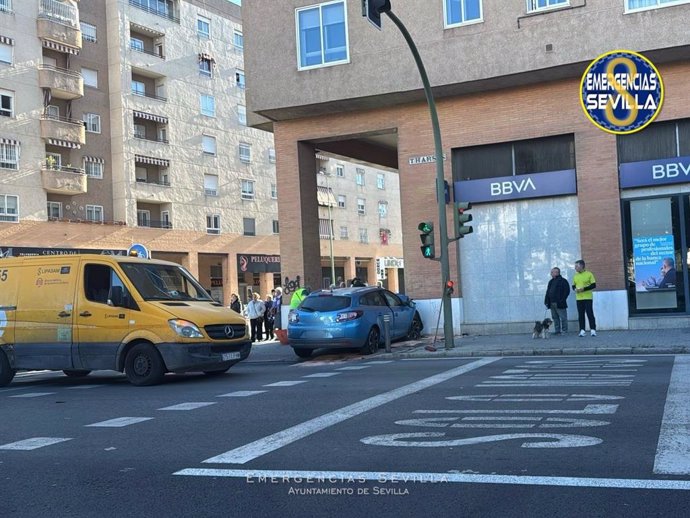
x,y
185,328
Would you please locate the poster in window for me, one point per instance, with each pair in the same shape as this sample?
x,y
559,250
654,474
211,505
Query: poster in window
x,y
655,268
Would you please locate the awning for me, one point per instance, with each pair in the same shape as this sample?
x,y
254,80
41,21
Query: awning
x,y
144,29
206,57
322,157
151,160
63,143
150,117
6,40
60,47
9,141
94,159
325,197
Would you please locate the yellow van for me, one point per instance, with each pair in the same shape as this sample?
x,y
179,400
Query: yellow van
x,y
84,312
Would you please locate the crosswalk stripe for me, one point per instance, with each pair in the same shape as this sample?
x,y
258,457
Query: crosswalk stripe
x,y
322,375
243,393
187,406
33,394
33,443
673,449
285,383
353,368
119,422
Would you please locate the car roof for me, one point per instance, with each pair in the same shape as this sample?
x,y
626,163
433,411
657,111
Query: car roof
x,y
346,291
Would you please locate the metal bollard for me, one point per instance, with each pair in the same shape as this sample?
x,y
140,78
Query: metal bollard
x,y
387,332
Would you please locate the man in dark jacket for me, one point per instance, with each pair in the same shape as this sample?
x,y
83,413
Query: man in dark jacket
x,y
556,300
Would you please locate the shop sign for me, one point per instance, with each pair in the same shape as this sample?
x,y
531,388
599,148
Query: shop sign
x,y
518,187
216,282
426,159
258,263
26,251
655,172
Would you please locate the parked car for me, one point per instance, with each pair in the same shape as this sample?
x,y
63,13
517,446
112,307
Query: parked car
x,y
351,317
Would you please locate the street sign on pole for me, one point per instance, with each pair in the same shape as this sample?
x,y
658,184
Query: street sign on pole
x,y
372,9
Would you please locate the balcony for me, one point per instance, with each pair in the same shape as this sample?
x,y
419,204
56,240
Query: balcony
x,y
63,83
63,180
164,9
153,223
62,131
58,26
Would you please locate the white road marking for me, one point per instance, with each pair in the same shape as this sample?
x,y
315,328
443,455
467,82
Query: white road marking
x,y
673,448
119,422
551,440
13,389
460,478
285,383
353,368
322,375
277,440
380,362
534,397
243,393
589,409
187,406
78,387
28,374
34,394
33,443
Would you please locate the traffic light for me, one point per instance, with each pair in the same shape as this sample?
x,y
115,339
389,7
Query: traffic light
x,y
450,287
427,236
372,9
461,218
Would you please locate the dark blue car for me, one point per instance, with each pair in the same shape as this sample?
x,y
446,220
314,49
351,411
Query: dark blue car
x,y
351,317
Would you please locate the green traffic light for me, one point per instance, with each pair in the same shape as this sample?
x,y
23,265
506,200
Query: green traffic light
x,y
426,227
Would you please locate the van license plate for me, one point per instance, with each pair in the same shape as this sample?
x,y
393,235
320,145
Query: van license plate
x,y
231,356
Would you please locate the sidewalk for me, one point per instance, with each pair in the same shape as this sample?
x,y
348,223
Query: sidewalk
x,y
648,341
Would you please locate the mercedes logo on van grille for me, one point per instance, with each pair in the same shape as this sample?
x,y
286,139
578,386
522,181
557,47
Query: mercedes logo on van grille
x,y
229,332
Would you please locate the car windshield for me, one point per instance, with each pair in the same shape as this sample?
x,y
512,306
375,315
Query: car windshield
x,y
325,303
164,282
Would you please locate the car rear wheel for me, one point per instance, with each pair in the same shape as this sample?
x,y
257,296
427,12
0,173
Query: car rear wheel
x,y
76,373
372,343
6,371
302,353
144,365
416,326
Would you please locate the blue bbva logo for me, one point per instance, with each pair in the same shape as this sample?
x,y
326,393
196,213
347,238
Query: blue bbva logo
x,y
621,92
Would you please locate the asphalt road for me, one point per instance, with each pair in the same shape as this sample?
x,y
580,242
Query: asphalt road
x,y
344,435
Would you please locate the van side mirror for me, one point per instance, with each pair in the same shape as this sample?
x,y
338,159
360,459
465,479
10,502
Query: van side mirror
x,y
117,297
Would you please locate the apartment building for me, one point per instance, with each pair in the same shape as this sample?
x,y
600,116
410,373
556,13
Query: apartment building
x,y
506,78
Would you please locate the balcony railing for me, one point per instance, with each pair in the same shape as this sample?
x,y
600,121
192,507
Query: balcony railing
x,y
156,139
152,223
164,183
150,96
159,9
59,12
137,48
50,116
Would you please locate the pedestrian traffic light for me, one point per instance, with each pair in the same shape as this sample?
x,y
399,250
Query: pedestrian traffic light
x,y
427,236
372,9
461,218
450,287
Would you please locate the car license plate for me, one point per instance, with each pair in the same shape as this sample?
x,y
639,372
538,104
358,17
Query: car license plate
x,y
230,356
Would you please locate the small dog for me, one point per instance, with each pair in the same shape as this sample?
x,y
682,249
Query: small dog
x,y
541,329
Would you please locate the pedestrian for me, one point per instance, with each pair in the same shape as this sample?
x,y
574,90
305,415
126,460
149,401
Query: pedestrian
x,y
277,303
255,312
299,295
583,284
357,283
235,303
269,318
556,299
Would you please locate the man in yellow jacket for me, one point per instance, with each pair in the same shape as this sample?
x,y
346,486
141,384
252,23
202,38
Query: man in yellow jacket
x,y
583,285
298,297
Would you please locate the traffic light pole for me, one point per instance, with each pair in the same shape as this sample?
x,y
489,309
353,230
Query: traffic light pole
x,y
440,188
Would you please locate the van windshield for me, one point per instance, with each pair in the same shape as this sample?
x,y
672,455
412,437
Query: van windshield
x,y
164,282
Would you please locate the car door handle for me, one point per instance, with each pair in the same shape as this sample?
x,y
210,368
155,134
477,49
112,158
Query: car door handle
x,y
64,314
84,314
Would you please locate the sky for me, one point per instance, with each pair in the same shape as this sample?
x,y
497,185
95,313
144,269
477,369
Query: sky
x,y
238,2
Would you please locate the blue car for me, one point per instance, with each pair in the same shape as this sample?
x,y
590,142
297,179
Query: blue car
x,y
351,317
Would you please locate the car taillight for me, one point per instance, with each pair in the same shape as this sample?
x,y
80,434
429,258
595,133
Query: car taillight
x,y
350,315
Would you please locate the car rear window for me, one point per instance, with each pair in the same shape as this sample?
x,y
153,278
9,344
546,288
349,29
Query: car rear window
x,y
325,303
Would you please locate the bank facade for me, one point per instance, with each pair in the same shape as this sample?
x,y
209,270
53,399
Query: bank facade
x,y
548,187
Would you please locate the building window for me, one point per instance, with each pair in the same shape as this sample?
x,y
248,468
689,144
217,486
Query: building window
x,y
359,177
206,66
208,105
136,44
93,169
143,218
94,213
54,210
340,170
6,103
242,115
88,32
361,206
538,5
247,189
208,144
5,6
9,208
245,152
213,224
325,228
139,131
238,39
6,53
363,235
203,27
380,181
343,233
210,185
322,35
92,122
276,226
90,77
341,201
459,12
272,155
637,5
274,191
249,226
165,219
383,209
9,155
239,78
138,88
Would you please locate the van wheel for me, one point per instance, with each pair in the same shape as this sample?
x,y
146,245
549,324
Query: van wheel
x,y
372,343
144,365
74,373
302,353
6,371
